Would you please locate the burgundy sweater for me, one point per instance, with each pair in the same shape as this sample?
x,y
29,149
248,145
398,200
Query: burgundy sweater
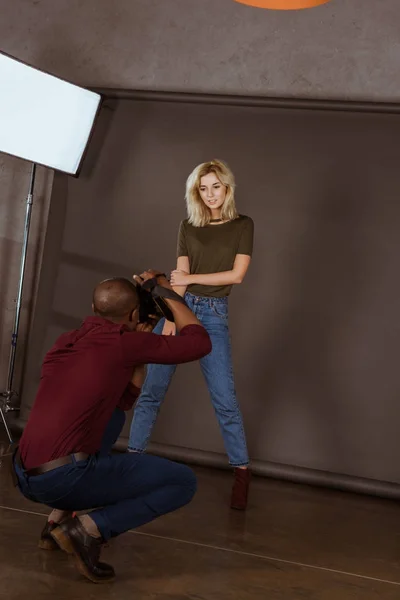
x,y
86,375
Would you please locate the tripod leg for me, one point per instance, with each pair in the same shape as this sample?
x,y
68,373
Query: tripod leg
x,y
5,425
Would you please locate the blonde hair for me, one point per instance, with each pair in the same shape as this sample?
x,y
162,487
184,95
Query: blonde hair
x,y
199,214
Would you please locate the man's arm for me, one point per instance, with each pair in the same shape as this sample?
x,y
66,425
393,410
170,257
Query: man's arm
x,y
192,344
129,397
132,390
139,374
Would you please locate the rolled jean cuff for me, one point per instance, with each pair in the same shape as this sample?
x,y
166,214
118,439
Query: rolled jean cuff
x,y
101,525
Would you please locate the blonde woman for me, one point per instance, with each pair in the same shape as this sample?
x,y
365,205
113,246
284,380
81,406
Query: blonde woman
x,y
215,245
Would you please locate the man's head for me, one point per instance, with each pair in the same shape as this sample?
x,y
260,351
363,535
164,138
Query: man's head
x,y
117,300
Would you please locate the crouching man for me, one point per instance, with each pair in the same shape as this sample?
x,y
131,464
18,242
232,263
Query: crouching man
x,y
64,457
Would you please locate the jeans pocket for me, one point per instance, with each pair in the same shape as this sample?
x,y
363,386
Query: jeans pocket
x,y
220,309
189,299
55,485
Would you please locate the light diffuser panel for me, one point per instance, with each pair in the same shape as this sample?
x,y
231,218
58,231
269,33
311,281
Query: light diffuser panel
x,y
44,119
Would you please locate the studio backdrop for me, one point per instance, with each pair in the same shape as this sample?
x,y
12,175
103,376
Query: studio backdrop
x,y
315,325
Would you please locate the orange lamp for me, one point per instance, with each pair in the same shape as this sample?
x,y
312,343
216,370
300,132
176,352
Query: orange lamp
x,y
283,4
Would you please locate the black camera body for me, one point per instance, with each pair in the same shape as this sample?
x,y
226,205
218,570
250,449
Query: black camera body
x,y
152,303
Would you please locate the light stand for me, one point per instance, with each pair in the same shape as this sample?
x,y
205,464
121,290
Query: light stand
x,y
7,396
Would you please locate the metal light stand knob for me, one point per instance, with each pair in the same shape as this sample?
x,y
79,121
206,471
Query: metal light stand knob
x,y
6,407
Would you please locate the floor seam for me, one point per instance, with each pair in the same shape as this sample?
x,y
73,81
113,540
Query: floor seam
x,y
237,552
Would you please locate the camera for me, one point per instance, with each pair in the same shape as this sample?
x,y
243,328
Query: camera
x,y
152,306
152,303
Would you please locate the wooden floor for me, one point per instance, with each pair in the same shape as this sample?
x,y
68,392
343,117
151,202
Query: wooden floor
x,y
294,542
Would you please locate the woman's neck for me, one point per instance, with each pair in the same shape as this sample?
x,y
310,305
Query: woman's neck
x,y
216,215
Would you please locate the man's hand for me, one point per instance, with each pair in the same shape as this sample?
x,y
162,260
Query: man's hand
x,y
169,328
147,327
150,274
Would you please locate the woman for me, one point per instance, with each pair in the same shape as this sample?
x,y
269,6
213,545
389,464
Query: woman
x,y
215,246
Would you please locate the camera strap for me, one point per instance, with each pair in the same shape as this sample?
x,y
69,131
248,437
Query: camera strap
x,y
161,292
158,291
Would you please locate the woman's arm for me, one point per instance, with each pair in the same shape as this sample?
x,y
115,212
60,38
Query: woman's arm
x,y
182,277
182,264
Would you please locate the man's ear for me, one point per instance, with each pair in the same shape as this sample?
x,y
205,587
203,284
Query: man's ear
x,y
93,308
134,314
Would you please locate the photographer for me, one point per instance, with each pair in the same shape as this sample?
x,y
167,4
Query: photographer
x,y
64,458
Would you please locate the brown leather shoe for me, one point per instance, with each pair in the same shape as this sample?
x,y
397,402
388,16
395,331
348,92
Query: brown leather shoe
x,y
46,542
73,538
240,489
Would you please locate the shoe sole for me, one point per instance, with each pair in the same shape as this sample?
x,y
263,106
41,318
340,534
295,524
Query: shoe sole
x,y
49,545
65,543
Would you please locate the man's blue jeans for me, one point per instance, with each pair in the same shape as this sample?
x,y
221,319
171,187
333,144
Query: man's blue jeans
x,y
127,490
218,373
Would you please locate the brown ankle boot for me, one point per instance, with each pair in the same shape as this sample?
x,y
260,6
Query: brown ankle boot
x,y
73,538
46,542
240,490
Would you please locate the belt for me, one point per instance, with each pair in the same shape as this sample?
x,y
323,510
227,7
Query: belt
x,y
51,465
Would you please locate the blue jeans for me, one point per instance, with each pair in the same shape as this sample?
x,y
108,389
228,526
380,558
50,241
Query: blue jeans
x,y
218,372
128,490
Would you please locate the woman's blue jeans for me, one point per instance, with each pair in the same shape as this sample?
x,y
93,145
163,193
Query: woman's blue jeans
x,y
218,372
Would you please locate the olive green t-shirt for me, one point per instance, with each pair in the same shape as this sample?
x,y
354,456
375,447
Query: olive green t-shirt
x,y
213,249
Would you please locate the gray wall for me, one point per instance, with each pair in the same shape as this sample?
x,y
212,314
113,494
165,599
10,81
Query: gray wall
x,y
344,49
315,326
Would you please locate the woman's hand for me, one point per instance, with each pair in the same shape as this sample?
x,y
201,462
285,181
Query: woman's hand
x,y
180,278
169,328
